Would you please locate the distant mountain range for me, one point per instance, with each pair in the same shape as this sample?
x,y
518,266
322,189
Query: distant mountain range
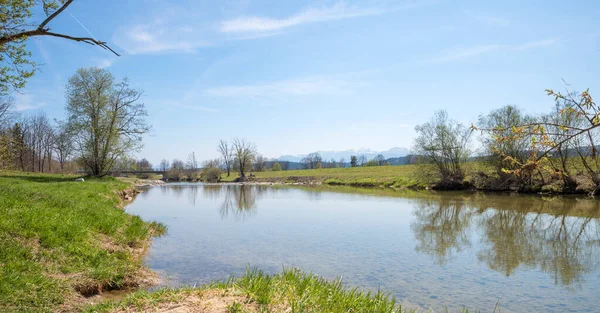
x,y
395,152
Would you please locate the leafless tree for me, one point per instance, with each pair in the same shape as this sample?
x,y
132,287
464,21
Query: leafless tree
x,y
362,159
380,159
244,153
260,163
63,145
6,113
192,163
226,154
164,165
143,165
444,143
311,160
342,162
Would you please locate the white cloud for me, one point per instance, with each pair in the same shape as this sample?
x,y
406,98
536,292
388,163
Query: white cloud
x,y
488,19
299,87
475,51
169,32
104,63
536,44
25,102
265,24
464,53
196,108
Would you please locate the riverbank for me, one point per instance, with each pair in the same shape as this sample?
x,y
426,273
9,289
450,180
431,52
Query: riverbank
x,y
64,242
289,291
478,176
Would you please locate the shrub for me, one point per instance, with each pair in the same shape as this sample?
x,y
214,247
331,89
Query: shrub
x,y
212,175
276,167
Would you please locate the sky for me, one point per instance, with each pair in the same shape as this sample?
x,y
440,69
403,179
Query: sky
x,y
300,76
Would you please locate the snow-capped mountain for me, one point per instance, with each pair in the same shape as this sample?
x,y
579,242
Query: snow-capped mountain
x,y
337,155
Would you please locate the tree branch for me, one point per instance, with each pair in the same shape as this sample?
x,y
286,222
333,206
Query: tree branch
x,y
42,31
53,15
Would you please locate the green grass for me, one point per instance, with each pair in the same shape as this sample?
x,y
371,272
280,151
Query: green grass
x,y
58,235
289,291
374,176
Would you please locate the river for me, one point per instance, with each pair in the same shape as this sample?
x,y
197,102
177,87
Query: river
x,y
430,250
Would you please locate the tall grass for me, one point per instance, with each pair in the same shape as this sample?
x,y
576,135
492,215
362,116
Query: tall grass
x,y
58,236
288,291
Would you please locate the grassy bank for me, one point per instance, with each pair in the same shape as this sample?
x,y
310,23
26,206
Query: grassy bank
x,y
289,291
61,240
398,176
401,176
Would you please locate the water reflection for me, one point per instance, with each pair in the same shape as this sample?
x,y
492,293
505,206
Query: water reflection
x,y
566,247
239,201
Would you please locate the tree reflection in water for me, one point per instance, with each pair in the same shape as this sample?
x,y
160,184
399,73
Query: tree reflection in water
x,y
240,201
559,236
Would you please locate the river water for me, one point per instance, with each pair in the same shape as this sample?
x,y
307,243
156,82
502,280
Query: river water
x,y
430,250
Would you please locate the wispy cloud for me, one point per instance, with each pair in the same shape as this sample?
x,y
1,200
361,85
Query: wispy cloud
x,y
171,29
25,102
487,19
298,87
475,51
104,63
313,15
196,108
535,44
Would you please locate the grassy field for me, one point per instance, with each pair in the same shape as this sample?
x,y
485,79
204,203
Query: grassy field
x,y
405,175
289,291
401,176
61,239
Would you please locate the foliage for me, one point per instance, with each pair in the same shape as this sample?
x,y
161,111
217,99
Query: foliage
x,y
212,175
372,163
353,161
106,118
553,141
276,167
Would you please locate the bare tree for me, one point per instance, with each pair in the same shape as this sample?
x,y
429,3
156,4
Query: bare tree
x,y
311,160
143,165
380,159
244,152
444,143
362,159
6,113
63,145
192,163
260,163
164,165
226,154
342,162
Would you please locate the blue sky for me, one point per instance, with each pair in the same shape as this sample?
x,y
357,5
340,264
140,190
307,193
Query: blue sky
x,y
301,76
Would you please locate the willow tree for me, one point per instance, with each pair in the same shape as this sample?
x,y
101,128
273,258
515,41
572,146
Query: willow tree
x,y
105,117
16,26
